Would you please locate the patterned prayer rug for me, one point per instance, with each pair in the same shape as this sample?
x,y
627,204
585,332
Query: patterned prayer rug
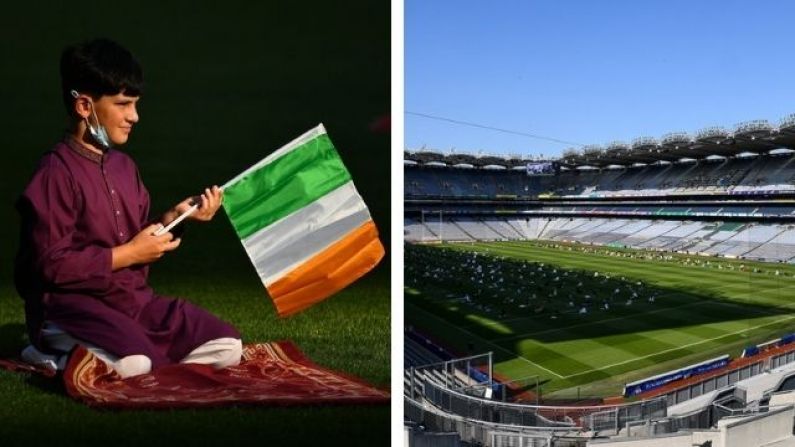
x,y
269,374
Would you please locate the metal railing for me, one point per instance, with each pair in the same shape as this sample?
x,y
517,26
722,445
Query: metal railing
x,y
488,434
438,390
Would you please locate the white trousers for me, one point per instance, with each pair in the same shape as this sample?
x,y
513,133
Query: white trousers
x,y
218,353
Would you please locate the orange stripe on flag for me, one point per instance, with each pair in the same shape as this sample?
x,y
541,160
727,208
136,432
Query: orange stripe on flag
x,y
329,271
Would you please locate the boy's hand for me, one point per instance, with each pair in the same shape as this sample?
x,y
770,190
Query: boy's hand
x,y
209,202
144,248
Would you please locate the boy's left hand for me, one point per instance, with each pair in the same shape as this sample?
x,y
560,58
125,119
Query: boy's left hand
x,y
208,206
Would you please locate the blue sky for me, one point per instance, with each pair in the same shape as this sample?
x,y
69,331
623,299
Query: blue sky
x,y
591,72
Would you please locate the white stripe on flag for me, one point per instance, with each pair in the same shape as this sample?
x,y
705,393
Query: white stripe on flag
x,y
281,247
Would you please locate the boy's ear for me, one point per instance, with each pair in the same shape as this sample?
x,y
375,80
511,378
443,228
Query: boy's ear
x,y
82,106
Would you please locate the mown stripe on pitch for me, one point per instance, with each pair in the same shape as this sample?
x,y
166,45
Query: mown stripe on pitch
x,y
591,352
679,322
547,357
635,345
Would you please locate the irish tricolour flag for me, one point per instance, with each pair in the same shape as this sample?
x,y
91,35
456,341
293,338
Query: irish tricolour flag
x,y
302,222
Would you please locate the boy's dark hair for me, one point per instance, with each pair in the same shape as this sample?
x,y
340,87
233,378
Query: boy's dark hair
x,y
99,67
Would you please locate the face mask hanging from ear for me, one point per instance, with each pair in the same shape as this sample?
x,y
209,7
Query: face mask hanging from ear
x,y
99,134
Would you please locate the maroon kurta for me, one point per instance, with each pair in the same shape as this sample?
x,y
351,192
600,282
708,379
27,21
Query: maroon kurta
x,y
76,208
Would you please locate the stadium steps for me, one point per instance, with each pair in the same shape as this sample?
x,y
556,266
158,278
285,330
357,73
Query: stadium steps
x,y
608,232
781,230
570,229
730,226
412,230
429,230
655,241
620,233
480,230
540,234
743,175
525,231
515,225
656,229
772,252
724,244
501,231
704,241
463,230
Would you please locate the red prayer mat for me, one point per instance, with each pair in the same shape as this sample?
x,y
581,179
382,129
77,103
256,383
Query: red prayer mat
x,y
269,374
16,365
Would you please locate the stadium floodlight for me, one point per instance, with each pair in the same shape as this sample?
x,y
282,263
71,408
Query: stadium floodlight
x,y
617,146
712,133
754,128
409,163
463,166
787,122
644,142
592,149
676,138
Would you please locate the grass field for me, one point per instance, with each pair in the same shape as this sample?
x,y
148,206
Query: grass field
x,y
664,311
226,84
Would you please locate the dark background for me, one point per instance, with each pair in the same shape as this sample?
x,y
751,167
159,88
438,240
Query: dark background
x,y
226,84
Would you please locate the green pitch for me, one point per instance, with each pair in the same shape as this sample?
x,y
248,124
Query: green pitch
x,y
587,320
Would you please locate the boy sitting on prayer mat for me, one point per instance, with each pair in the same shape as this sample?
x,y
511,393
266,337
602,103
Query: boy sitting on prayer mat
x,y
87,241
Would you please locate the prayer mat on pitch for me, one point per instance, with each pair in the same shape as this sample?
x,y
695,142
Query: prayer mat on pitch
x,y
269,374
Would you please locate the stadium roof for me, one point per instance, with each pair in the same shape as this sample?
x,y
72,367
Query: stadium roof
x,y
757,136
431,158
752,136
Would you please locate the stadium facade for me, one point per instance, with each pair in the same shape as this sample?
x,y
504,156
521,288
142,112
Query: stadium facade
x,y
717,193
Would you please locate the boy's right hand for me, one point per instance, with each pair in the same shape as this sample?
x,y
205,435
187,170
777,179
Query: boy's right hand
x,y
144,248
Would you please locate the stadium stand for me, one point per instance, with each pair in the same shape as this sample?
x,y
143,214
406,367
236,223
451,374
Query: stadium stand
x,y
771,242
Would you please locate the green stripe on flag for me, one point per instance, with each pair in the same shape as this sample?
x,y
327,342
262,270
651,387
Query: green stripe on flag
x,y
284,186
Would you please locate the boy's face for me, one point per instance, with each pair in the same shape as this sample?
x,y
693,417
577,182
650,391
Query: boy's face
x,y
117,113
